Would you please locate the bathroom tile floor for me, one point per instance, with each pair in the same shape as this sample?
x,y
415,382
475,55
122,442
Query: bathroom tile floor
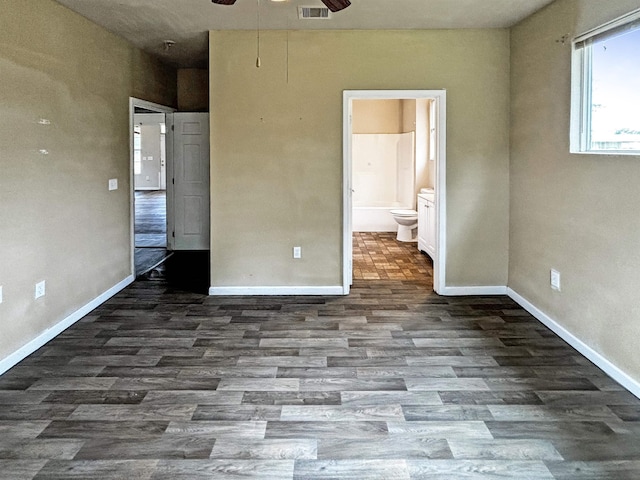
x,y
389,382
379,256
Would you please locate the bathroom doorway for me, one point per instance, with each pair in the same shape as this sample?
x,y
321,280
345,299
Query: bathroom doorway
x,y
409,128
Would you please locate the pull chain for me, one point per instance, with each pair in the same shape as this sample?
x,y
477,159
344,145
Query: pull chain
x,y
258,63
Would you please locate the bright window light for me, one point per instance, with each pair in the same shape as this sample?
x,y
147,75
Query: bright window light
x,y
137,150
605,114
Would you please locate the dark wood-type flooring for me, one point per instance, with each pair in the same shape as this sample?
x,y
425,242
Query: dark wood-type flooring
x,y
150,229
390,382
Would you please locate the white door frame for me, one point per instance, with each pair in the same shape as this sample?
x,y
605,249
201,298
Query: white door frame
x,y
154,107
440,97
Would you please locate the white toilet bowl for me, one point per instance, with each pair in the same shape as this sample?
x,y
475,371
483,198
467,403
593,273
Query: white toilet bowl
x,y
407,223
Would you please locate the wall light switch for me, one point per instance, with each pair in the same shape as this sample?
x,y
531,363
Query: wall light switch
x,y
555,279
40,289
0,293
113,184
297,252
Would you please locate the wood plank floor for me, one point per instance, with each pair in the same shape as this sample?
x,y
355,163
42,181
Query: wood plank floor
x,y
150,229
151,218
390,382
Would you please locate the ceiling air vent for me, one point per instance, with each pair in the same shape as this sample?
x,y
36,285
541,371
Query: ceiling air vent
x,y
313,13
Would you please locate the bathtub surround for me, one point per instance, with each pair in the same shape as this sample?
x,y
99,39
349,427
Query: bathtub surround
x,y
383,179
383,169
372,121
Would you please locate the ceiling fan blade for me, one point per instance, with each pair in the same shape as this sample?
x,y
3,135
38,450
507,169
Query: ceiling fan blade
x,y
336,5
224,2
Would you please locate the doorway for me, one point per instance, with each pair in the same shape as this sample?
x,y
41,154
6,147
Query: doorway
x,y
427,110
148,185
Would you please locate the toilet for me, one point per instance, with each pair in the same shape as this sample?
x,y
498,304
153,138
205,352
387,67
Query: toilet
x,y
407,222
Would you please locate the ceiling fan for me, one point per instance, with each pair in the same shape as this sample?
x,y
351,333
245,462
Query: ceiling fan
x,y
333,5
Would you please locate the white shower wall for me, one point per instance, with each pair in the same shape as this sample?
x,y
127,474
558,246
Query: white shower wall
x,y
383,179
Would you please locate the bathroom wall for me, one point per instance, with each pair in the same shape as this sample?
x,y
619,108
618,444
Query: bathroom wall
x,y
276,139
377,116
575,213
64,132
415,119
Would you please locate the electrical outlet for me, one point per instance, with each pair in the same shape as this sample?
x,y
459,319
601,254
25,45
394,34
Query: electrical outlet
x,y
555,280
297,252
113,184
40,289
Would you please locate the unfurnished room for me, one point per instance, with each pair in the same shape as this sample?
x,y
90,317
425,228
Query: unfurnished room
x,y
320,239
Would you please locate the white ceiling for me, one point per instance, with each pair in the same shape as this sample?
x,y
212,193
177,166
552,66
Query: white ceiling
x,y
148,23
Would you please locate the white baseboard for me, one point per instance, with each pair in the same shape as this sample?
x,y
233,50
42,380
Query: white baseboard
x,y
329,290
474,291
57,329
601,362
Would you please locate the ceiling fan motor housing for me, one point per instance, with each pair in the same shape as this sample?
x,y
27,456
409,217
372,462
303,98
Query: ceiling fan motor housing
x,y
333,5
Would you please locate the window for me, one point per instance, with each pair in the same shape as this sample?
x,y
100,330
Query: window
x,y
137,149
605,114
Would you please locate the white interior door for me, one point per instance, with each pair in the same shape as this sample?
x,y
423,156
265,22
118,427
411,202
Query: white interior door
x,y
188,191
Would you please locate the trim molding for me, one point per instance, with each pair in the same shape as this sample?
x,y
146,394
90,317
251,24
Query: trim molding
x,y
598,359
57,329
475,291
440,97
328,290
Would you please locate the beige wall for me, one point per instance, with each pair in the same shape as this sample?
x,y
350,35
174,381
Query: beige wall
x,y
193,90
377,116
575,213
59,221
153,80
277,147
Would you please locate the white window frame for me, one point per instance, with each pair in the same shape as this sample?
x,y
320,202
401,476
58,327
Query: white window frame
x,y
581,84
137,149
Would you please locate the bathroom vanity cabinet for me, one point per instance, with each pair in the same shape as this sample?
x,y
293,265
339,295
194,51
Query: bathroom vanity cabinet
x,y
427,224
